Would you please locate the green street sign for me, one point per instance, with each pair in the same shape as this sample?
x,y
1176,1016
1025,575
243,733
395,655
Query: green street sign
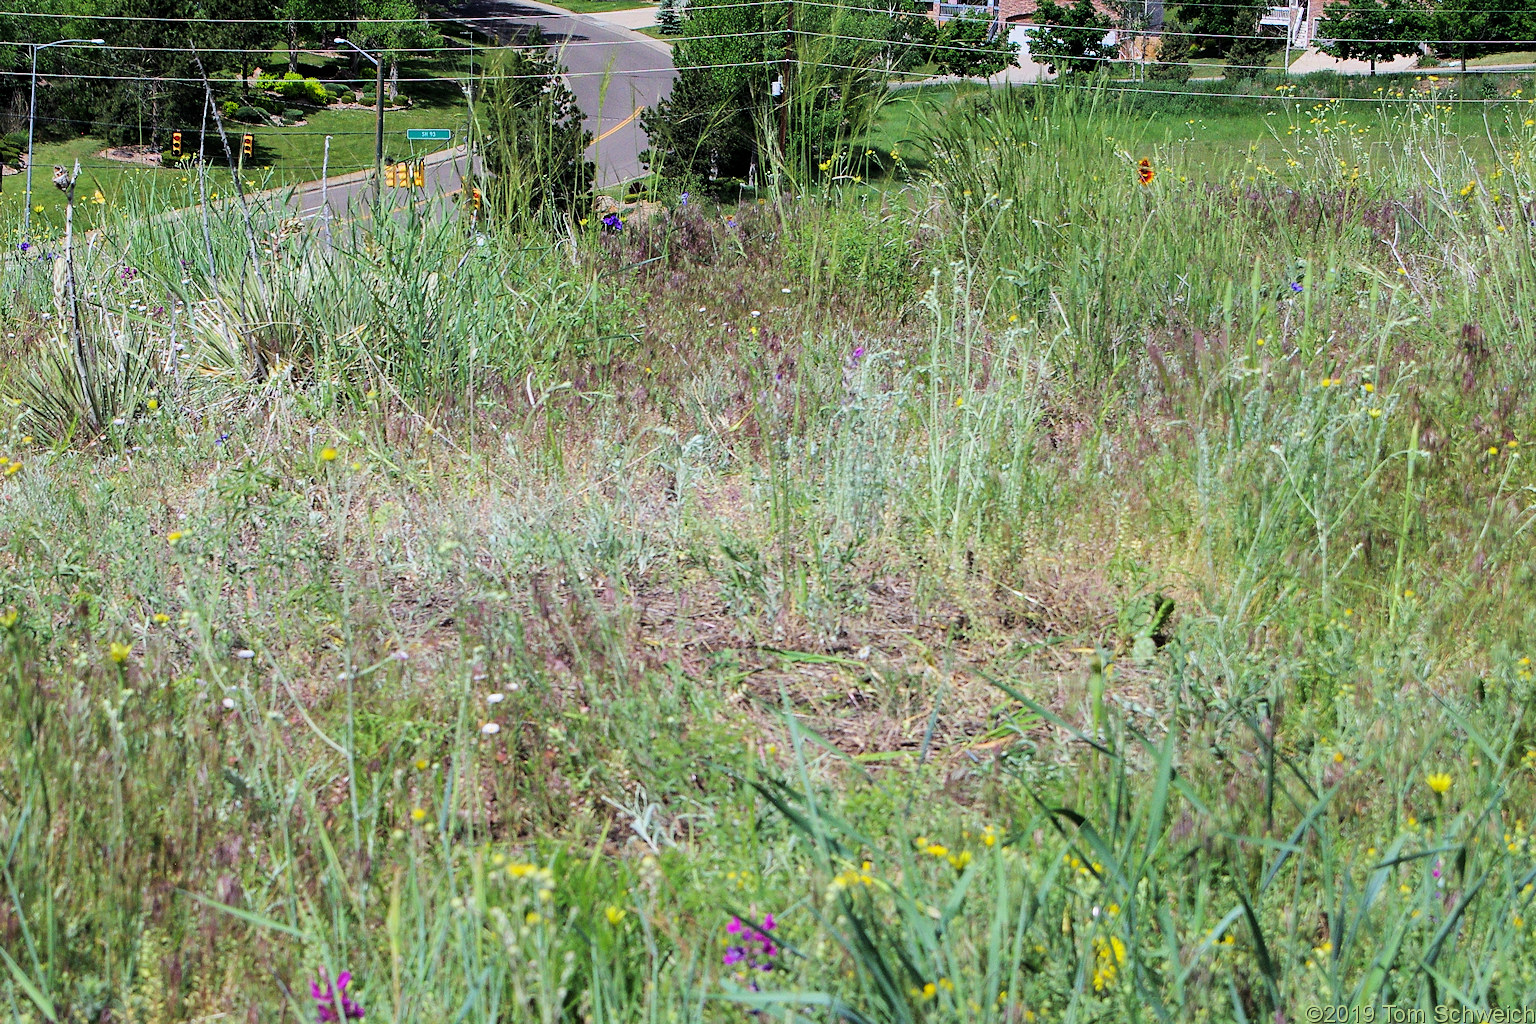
x,y
429,134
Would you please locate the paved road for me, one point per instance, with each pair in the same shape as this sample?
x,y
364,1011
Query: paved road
x,y
637,68
614,71
351,195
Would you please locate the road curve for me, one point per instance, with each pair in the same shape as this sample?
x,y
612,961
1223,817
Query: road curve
x,y
614,72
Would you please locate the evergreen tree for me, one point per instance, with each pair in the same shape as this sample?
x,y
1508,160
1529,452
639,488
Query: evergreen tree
x,y
535,141
1175,49
669,17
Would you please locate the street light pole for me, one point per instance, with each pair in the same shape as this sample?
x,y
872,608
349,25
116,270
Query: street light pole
x,y
378,127
26,216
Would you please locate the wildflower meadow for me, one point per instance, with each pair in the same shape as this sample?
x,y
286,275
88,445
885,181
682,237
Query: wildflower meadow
x,y
1034,571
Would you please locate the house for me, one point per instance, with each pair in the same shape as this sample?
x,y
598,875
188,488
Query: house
x,y
1018,19
1300,18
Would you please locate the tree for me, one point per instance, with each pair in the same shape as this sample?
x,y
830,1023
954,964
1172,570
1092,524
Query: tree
x,y
1071,38
1222,29
304,22
1373,30
1471,28
973,45
146,83
669,17
534,141
390,29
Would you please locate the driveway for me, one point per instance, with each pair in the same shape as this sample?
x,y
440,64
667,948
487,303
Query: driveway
x,y
614,71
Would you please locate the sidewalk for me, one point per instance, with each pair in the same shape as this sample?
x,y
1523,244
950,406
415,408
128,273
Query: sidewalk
x,y
1029,72
638,18
1313,60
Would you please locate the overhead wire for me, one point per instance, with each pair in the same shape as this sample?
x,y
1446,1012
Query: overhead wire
x,y
425,19
880,42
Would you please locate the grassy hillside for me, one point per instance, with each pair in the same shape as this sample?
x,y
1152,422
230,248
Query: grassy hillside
x,y
1022,595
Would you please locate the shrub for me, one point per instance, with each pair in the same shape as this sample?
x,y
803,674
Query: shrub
x,y
293,114
711,125
229,108
295,86
251,115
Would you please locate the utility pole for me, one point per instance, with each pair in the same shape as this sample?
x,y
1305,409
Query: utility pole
x,y
26,217
378,126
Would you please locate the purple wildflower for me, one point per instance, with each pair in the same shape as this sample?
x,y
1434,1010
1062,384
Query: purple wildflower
x,y
730,222
683,199
327,998
127,274
754,950
25,246
858,353
1295,286
613,222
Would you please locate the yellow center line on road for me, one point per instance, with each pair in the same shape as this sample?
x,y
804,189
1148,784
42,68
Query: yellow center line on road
x,y
633,114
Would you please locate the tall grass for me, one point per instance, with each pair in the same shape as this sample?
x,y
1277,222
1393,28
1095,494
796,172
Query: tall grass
x,y
1049,597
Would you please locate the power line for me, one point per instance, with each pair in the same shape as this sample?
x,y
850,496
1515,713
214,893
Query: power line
x,y
470,49
542,14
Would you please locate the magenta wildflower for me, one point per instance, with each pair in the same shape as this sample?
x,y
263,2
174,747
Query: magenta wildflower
x,y
754,950
327,998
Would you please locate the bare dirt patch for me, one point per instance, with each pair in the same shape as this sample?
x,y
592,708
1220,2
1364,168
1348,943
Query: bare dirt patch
x,y
147,156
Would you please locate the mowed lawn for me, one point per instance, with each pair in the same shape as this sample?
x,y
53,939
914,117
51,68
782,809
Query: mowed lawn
x,y
1206,132
284,155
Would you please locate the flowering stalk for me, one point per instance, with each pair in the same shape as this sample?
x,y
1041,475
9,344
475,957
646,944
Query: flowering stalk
x,y
329,999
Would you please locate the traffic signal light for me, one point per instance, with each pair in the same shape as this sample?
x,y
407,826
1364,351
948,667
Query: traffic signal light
x,y
420,178
389,175
176,143
249,146
475,199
